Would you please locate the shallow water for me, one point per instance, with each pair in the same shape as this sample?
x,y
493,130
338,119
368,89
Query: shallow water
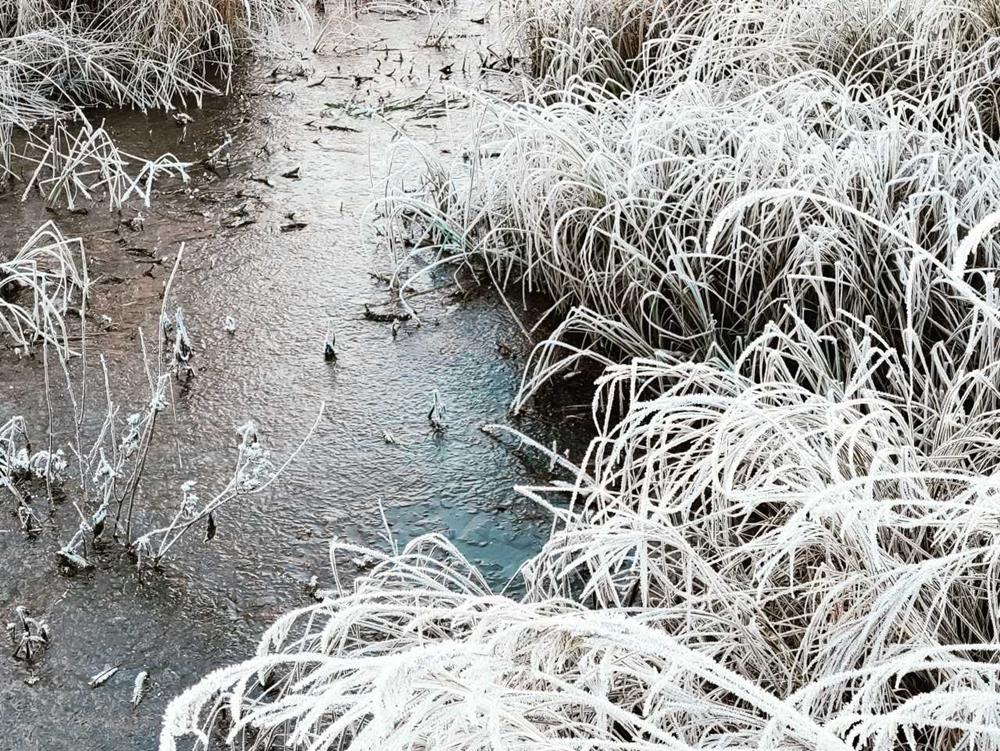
x,y
211,602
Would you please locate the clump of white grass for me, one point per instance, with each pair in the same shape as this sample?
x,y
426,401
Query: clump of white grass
x,y
86,164
621,46
563,39
689,224
941,59
58,58
38,286
421,654
810,541
16,460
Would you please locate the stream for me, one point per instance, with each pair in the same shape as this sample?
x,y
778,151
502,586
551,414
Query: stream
x,y
282,242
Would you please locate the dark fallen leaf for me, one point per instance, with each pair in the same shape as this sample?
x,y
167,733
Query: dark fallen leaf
x,y
385,316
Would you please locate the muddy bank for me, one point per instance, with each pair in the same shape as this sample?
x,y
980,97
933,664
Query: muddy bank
x,y
274,240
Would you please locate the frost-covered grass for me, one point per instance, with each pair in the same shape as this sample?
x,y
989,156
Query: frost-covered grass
x,y
687,225
716,198
773,224
38,287
59,57
940,58
422,655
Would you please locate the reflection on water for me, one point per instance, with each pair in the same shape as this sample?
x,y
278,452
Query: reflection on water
x,y
284,288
